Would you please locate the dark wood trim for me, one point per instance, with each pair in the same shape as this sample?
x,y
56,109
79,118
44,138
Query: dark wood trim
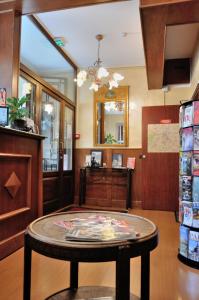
x,y
9,54
11,244
51,40
154,20
149,3
16,53
21,133
14,213
46,85
38,6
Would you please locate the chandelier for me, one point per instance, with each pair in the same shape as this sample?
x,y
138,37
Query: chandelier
x,y
98,75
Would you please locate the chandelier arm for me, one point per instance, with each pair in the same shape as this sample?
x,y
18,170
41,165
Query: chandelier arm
x,y
98,52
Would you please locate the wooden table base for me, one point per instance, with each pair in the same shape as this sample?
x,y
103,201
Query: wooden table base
x,y
88,293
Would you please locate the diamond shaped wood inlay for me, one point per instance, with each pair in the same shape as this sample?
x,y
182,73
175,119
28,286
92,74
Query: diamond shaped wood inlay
x,y
12,185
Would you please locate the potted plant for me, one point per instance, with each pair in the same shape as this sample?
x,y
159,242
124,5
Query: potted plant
x,y
109,139
17,112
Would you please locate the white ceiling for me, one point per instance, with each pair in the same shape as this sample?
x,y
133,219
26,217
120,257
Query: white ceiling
x,y
181,40
79,26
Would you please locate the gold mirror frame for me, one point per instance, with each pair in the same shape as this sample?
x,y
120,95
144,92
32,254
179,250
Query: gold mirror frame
x,y
105,95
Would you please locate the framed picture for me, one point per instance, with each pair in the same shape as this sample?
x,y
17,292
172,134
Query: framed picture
x,y
117,160
96,158
4,113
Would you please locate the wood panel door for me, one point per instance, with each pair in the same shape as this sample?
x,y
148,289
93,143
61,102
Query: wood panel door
x,y
160,158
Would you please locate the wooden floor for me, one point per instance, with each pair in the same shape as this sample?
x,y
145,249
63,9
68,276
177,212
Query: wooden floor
x,y
170,279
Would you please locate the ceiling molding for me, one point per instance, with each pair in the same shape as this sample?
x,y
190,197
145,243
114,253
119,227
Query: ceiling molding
x,y
37,6
154,21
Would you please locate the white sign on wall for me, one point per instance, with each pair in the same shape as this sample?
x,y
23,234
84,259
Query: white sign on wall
x,y
163,138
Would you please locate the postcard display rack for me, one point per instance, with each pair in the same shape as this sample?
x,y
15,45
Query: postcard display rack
x,y
189,184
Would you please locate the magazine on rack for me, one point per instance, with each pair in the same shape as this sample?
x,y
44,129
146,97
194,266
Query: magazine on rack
x,y
195,189
187,213
187,139
95,228
195,215
196,138
188,116
195,163
185,163
186,188
196,112
193,251
184,237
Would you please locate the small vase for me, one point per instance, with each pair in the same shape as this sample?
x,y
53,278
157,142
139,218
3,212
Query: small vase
x,y
19,124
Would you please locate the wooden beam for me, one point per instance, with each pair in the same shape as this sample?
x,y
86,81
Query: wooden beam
x,y
38,6
153,30
147,3
154,20
9,50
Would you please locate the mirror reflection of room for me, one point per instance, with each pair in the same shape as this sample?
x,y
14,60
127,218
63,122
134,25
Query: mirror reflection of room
x,y
111,116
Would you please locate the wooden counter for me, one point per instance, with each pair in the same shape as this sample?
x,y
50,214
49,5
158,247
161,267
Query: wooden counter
x,y
20,186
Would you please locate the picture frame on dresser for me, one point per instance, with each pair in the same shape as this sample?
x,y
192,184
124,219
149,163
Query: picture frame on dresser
x,y
117,159
96,158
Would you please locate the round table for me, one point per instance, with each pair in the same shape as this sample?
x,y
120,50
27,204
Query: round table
x,y
47,238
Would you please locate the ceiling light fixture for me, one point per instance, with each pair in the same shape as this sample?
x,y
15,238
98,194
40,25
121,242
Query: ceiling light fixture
x,y
98,75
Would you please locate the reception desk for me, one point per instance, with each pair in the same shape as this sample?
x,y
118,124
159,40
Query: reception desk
x,y
20,186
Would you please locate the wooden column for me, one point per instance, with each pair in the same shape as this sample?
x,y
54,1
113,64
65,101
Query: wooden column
x,y
9,48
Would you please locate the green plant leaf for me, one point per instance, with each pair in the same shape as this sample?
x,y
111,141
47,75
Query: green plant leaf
x,y
16,108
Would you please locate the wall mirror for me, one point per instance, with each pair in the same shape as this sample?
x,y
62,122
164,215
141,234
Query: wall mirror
x,y
111,117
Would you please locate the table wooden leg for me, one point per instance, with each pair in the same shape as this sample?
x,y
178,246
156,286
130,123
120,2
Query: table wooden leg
x,y
123,276
145,276
27,269
73,275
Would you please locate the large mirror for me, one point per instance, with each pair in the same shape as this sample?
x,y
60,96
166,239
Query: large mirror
x,y
111,117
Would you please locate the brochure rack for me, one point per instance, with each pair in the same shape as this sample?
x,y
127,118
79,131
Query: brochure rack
x,y
189,184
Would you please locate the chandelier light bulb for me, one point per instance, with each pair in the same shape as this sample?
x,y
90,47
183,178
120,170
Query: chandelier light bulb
x,y
94,87
112,84
80,82
102,72
117,77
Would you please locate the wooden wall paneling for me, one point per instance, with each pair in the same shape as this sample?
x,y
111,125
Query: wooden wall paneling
x,y
36,6
15,192
9,54
20,182
68,187
51,194
107,158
